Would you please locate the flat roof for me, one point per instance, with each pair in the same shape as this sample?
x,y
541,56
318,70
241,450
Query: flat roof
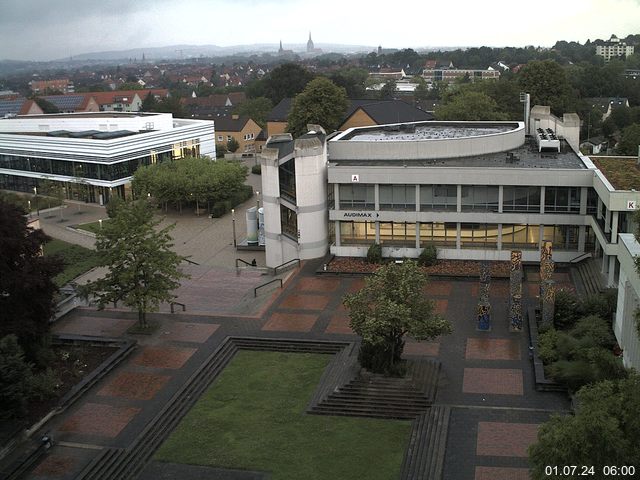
x,y
525,156
622,172
87,115
426,131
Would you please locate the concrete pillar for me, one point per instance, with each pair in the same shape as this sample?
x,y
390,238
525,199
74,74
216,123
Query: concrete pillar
x,y
542,199
377,231
611,278
541,235
582,238
584,192
607,221
459,199
376,189
605,264
500,202
599,209
336,195
417,198
614,227
458,236
500,235
337,231
417,234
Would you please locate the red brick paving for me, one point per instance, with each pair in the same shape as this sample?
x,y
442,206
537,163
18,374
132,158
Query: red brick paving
x,y
497,381
492,349
100,420
339,324
189,332
306,302
497,289
134,386
290,322
94,326
318,284
533,289
439,289
164,357
501,473
54,466
499,439
428,349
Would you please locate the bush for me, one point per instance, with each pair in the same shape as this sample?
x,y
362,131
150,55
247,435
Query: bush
x,y
603,305
548,346
114,203
567,308
218,209
376,358
221,149
257,169
15,376
43,385
428,256
593,331
374,254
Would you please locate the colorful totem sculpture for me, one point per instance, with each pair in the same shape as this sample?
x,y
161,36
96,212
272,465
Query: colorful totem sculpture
x,y
515,292
548,303
484,307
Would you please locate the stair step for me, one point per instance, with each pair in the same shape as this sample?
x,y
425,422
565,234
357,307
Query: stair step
x,y
424,458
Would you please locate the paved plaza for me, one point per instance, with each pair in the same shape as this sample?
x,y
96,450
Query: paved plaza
x,y
486,377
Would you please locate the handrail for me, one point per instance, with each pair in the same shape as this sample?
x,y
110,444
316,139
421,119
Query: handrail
x,y
255,290
295,260
171,305
190,261
579,258
246,263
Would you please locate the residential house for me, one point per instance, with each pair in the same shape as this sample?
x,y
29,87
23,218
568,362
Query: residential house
x,y
18,106
244,130
614,48
607,104
79,102
63,85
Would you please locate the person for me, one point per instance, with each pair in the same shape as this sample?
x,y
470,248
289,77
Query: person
x,y
254,263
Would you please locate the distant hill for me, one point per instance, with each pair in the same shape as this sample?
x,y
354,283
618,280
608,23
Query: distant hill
x,y
194,51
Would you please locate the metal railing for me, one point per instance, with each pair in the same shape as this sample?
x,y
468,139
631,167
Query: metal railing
x,y
255,290
190,261
173,304
248,264
579,258
280,268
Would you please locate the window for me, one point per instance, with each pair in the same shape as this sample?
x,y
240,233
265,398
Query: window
x,y
357,233
520,236
397,197
479,198
229,137
357,197
287,176
562,200
479,235
563,237
220,138
438,197
289,222
443,234
398,234
520,199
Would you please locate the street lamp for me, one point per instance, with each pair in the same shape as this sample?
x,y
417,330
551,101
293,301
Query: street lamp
x,y
233,222
35,199
100,222
258,198
29,206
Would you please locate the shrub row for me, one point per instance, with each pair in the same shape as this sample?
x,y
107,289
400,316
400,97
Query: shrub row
x,y
220,208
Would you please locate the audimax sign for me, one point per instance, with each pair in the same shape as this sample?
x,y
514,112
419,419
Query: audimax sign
x,y
359,215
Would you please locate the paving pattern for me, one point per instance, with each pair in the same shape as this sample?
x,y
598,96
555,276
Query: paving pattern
x,y
486,377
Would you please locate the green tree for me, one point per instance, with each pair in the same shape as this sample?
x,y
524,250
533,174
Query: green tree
x,y
45,105
352,79
321,103
629,140
257,109
171,105
388,90
547,83
391,305
149,103
27,290
605,430
469,105
143,270
233,145
15,374
285,81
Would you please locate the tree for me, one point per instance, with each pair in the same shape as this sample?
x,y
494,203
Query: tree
x,y
605,430
26,287
233,145
547,83
46,105
388,90
469,105
15,374
143,270
149,104
352,79
629,140
391,305
257,109
286,81
321,103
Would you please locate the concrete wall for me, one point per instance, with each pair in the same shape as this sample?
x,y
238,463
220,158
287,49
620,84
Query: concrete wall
x,y
104,122
624,326
568,127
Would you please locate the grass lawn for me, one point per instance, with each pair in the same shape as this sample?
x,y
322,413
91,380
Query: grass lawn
x,y
91,227
77,259
252,418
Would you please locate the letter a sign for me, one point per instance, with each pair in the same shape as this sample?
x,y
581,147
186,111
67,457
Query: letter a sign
x,y
355,178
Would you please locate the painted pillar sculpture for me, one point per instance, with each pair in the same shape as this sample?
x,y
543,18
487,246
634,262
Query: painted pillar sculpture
x,y
548,303
546,251
515,292
484,307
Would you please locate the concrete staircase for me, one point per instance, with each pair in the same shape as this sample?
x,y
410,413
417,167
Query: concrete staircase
x,y
424,458
588,274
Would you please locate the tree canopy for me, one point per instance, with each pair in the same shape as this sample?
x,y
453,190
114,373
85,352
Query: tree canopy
x,y
469,105
321,103
26,286
629,140
143,270
285,81
257,109
547,83
605,430
392,304
189,180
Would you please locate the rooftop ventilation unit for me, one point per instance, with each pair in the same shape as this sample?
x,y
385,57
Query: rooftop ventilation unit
x,y
547,140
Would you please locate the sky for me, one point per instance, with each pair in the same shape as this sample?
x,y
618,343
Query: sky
x,y
43,30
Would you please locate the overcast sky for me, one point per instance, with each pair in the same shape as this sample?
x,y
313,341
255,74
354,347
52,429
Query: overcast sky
x,y
43,30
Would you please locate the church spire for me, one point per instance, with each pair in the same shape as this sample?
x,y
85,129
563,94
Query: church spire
x,y
280,49
310,47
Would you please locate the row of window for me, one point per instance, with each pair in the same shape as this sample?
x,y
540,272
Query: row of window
x,y
473,198
472,235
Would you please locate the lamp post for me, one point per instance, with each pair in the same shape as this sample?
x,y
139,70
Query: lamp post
x,y
258,198
233,223
100,223
29,206
35,199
